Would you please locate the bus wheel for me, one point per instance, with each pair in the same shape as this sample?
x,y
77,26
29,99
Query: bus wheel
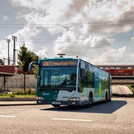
x,y
106,99
90,99
56,105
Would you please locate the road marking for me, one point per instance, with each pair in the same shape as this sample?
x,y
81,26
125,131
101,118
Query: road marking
x,y
7,116
65,119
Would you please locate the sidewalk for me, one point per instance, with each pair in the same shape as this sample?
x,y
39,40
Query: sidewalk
x,y
17,103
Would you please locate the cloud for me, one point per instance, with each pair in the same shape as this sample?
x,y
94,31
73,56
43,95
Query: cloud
x,y
5,17
24,37
42,53
94,17
101,17
40,5
73,43
79,26
114,56
3,46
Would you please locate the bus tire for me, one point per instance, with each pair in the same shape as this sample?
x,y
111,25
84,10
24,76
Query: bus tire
x,y
56,105
90,99
38,102
106,99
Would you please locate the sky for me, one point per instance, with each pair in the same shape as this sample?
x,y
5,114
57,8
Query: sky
x,y
98,31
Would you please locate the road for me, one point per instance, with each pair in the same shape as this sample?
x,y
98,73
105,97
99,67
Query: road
x,y
115,117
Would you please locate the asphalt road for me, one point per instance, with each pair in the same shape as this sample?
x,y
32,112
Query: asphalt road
x,y
115,117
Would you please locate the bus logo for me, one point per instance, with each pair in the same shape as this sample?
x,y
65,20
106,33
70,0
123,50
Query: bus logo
x,y
55,97
45,94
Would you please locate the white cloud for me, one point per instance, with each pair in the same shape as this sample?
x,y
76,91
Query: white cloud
x,y
40,5
80,26
42,53
73,43
92,16
5,17
114,56
24,36
3,49
132,38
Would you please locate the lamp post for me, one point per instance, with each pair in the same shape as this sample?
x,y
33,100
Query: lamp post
x,y
14,49
8,42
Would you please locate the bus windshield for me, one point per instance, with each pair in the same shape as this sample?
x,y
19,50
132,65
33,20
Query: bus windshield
x,y
60,78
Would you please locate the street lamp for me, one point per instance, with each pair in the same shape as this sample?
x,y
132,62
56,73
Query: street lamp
x,y
8,41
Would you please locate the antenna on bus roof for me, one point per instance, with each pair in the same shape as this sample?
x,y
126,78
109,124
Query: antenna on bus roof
x,y
61,55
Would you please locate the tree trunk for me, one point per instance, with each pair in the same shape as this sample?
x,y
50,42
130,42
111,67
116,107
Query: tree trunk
x,y
24,82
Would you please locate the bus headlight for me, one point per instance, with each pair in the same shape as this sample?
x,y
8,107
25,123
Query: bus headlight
x,y
39,98
74,99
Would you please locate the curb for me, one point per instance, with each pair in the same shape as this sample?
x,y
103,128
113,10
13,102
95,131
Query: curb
x,y
18,104
123,95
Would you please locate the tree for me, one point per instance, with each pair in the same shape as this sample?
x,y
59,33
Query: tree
x,y
1,62
25,57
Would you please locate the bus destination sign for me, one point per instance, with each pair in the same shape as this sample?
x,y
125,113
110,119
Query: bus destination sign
x,y
60,63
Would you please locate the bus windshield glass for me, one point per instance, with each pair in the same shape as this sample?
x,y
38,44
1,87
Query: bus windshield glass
x,y
60,78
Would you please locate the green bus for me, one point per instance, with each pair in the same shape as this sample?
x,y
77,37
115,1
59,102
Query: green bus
x,y
71,81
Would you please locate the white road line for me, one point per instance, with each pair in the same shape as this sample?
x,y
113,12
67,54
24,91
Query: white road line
x,y
65,119
7,116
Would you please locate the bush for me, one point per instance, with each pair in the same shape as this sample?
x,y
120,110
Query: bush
x,y
12,95
18,92
28,91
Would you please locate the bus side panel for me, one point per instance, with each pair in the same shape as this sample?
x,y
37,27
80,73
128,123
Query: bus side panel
x,y
93,80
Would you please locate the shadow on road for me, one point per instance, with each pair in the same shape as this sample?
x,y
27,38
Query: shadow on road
x,y
101,107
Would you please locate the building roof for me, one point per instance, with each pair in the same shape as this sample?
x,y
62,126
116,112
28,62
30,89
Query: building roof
x,y
7,70
6,74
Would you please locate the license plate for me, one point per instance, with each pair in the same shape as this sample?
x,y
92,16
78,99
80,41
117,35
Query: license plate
x,y
55,102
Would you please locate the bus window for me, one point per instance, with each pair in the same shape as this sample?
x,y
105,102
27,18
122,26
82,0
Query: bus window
x,y
73,78
86,79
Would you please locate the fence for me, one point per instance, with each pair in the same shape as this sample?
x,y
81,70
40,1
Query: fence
x,y
17,82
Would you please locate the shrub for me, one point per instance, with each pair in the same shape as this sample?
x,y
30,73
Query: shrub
x,y
18,92
12,95
28,91
33,92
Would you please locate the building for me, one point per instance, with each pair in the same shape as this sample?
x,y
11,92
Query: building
x,y
11,78
118,70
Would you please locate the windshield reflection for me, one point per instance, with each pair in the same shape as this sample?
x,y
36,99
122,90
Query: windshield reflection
x,y
58,78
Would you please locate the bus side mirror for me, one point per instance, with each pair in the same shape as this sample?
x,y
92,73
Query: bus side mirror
x,y
31,65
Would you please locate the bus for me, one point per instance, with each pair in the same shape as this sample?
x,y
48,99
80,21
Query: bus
x,y
71,81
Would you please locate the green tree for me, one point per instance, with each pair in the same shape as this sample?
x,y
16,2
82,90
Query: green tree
x,y
1,62
25,57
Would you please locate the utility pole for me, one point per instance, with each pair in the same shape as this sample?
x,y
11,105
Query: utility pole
x,y
14,50
8,41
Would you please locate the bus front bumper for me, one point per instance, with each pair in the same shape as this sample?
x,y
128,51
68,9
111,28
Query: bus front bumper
x,y
73,102
69,103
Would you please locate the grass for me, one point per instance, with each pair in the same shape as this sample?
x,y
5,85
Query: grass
x,y
131,88
17,96
20,93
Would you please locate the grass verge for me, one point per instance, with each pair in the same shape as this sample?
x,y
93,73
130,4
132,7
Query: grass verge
x,y
131,88
17,96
